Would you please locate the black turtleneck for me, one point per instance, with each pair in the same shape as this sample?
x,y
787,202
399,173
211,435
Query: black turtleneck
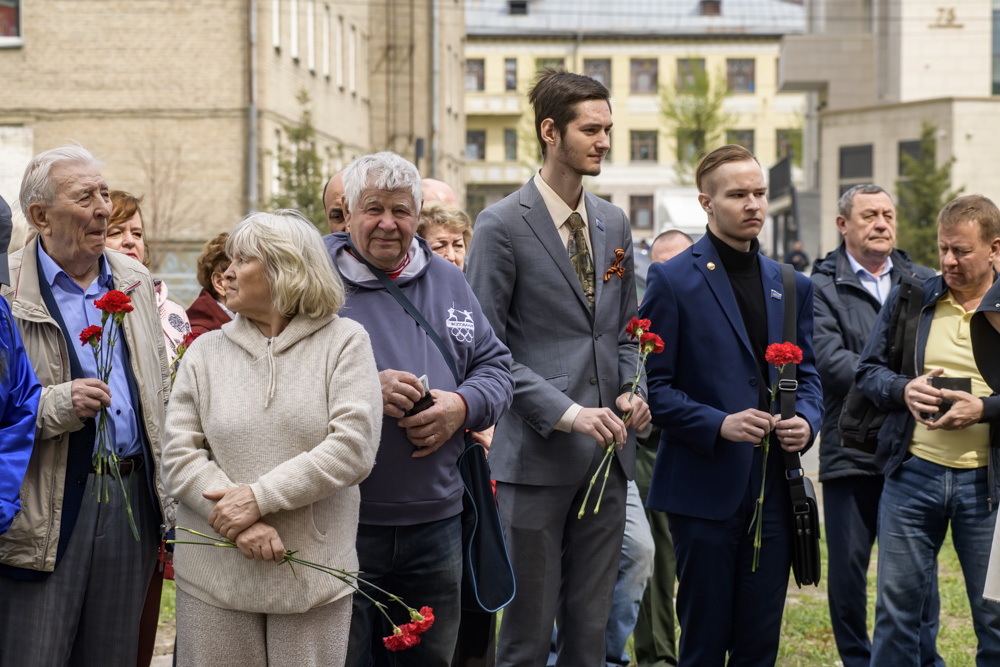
x,y
743,269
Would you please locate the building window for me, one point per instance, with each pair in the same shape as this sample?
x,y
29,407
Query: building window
x,y
641,211
275,22
326,41
551,63
690,145
510,74
518,7
475,75
742,137
352,60
789,142
293,24
338,50
475,145
911,148
510,144
643,76
688,72
740,75
856,162
643,145
598,70
311,35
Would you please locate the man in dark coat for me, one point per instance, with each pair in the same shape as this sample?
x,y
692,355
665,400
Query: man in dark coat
x,y
852,283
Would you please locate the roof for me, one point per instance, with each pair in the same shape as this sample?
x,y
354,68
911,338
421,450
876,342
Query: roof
x,y
634,17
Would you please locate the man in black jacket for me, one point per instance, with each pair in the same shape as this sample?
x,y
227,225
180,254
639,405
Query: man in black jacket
x,y
851,284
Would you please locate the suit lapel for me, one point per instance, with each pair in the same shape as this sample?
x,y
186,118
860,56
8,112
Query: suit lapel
x,y
541,223
598,243
704,255
770,278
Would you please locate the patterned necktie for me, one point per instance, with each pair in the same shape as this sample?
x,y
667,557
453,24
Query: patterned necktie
x,y
579,255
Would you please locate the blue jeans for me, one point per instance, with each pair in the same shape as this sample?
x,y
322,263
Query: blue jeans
x,y
635,567
422,564
850,506
918,503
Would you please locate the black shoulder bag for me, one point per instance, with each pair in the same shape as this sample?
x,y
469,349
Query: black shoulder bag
x,y
487,575
860,420
805,510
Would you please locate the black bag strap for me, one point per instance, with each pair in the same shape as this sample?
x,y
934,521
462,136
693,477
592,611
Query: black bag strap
x,y
407,305
787,386
904,338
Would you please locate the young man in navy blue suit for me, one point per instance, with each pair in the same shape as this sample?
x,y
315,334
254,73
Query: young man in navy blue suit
x,y
717,306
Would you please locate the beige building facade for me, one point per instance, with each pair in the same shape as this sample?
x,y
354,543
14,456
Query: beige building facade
x,y
873,72
186,101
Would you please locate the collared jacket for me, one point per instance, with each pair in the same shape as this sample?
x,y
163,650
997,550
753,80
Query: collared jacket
x,y
885,388
32,541
845,313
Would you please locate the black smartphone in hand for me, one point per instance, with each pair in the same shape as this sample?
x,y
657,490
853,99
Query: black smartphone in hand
x,y
954,384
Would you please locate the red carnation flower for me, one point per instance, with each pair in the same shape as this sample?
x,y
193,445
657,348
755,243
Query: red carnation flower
x,y
114,302
91,334
401,639
637,327
651,343
780,354
422,622
188,339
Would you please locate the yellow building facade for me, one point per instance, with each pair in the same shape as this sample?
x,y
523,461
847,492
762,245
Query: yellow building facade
x,y
640,174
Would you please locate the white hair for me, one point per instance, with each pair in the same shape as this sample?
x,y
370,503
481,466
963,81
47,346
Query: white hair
x,y
298,265
388,170
37,186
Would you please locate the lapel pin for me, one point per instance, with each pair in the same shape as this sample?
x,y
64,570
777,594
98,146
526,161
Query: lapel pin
x,y
775,294
711,266
600,225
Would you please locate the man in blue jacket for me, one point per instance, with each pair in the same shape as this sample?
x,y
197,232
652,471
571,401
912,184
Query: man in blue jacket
x,y
19,392
852,283
940,462
717,306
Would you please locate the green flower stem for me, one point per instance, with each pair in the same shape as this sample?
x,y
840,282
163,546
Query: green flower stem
x,y
609,452
757,522
347,577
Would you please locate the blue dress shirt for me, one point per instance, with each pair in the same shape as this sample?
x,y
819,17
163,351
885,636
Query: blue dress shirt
x,y
878,287
76,306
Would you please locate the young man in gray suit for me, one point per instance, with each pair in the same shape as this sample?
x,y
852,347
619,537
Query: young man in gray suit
x,y
552,268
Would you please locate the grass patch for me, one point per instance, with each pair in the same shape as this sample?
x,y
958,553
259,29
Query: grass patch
x,y
168,610
807,635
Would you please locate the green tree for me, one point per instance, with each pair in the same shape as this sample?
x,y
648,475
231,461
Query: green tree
x,y
923,189
300,169
694,115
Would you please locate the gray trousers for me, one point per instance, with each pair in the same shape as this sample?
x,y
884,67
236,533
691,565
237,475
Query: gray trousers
x,y
208,635
565,569
87,611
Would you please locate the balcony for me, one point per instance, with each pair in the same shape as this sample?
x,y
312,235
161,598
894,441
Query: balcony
x,y
496,173
503,104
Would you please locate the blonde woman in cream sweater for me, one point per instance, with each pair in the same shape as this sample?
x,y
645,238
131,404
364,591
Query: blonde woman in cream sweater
x,y
273,422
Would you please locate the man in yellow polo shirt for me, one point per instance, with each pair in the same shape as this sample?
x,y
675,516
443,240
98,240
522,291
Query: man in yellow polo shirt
x,y
940,470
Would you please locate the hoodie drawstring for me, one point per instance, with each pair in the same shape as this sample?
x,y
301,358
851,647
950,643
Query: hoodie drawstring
x,y
270,370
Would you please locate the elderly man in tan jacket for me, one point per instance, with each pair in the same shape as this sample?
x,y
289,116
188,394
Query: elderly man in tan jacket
x,y
72,576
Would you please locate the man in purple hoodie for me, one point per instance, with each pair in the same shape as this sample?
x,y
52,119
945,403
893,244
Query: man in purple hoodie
x,y
410,533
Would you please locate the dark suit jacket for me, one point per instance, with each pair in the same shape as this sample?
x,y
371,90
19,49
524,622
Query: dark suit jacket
x,y
563,353
707,371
